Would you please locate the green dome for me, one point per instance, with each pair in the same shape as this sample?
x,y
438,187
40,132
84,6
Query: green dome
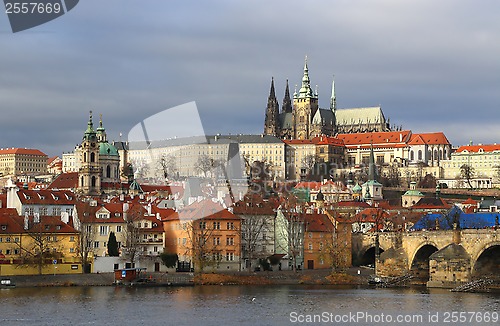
x,y
357,188
107,149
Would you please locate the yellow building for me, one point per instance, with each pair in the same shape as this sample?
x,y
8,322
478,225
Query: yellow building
x,y
36,244
205,236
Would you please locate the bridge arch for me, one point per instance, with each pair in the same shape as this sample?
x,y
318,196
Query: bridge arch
x,y
419,263
367,255
487,260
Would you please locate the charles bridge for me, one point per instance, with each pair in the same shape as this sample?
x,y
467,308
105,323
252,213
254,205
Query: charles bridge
x,y
439,258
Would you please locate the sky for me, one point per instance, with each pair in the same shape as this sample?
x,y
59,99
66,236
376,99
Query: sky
x,y
431,65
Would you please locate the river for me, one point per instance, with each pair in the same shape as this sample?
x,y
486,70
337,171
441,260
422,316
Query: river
x,y
245,305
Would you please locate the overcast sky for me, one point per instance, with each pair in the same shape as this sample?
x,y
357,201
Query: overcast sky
x,y
431,65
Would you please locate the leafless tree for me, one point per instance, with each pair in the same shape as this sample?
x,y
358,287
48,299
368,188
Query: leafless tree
x,y
308,163
39,244
467,172
291,228
168,166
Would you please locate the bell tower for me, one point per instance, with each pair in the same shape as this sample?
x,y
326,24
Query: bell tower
x,y
89,174
305,105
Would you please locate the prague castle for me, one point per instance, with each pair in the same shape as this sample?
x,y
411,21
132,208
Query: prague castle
x,y
304,119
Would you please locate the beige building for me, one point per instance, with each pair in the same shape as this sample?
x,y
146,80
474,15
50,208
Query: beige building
x,y
181,157
300,158
22,162
484,159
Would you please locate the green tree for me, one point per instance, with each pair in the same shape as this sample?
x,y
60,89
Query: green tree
x,y
113,245
169,260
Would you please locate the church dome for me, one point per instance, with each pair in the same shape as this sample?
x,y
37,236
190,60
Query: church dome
x,y
357,188
107,149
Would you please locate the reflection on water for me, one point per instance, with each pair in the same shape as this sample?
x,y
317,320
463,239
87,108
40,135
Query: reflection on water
x,y
222,305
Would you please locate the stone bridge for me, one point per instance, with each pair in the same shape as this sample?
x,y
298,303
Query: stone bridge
x,y
439,258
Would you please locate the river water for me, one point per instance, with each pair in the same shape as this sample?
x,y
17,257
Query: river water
x,y
245,305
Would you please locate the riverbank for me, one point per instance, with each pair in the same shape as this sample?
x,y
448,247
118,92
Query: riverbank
x,y
308,277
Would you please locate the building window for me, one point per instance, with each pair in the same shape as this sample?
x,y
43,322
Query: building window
x,y
96,244
230,256
118,228
230,225
216,241
103,230
216,225
310,246
230,241
71,239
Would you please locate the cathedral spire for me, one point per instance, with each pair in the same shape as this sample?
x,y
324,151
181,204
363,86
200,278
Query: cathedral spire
x,y
305,89
271,124
90,132
333,99
272,93
287,102
372,167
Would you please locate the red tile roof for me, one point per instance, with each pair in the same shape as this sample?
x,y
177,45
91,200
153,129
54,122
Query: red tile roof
x,y
46,197
318,223
434,138
325,140
67,180
21,151
378,139
476,148
298,141
15,223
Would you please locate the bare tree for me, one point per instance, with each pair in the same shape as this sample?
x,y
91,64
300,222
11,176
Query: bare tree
x,y
132,237
207,166
39,245
308,163
467,172
291,228
168,166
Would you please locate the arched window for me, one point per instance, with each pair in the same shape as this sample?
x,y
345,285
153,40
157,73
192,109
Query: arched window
x,y
93,181
441,154
92,157
436,157
81,182
108,171
412,156
84,158
420,155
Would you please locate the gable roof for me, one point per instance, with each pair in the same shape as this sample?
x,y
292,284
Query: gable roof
x,y
433,138
359,116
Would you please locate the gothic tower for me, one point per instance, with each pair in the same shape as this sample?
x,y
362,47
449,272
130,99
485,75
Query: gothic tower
x,y
305,105
287,102
272,122
89,173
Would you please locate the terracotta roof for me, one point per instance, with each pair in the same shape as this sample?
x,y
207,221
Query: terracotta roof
x,y
46,197
476,148
325,140
67,180
431,203
15,223
21,151
470,201
377,138
434,138
298,141
318,223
